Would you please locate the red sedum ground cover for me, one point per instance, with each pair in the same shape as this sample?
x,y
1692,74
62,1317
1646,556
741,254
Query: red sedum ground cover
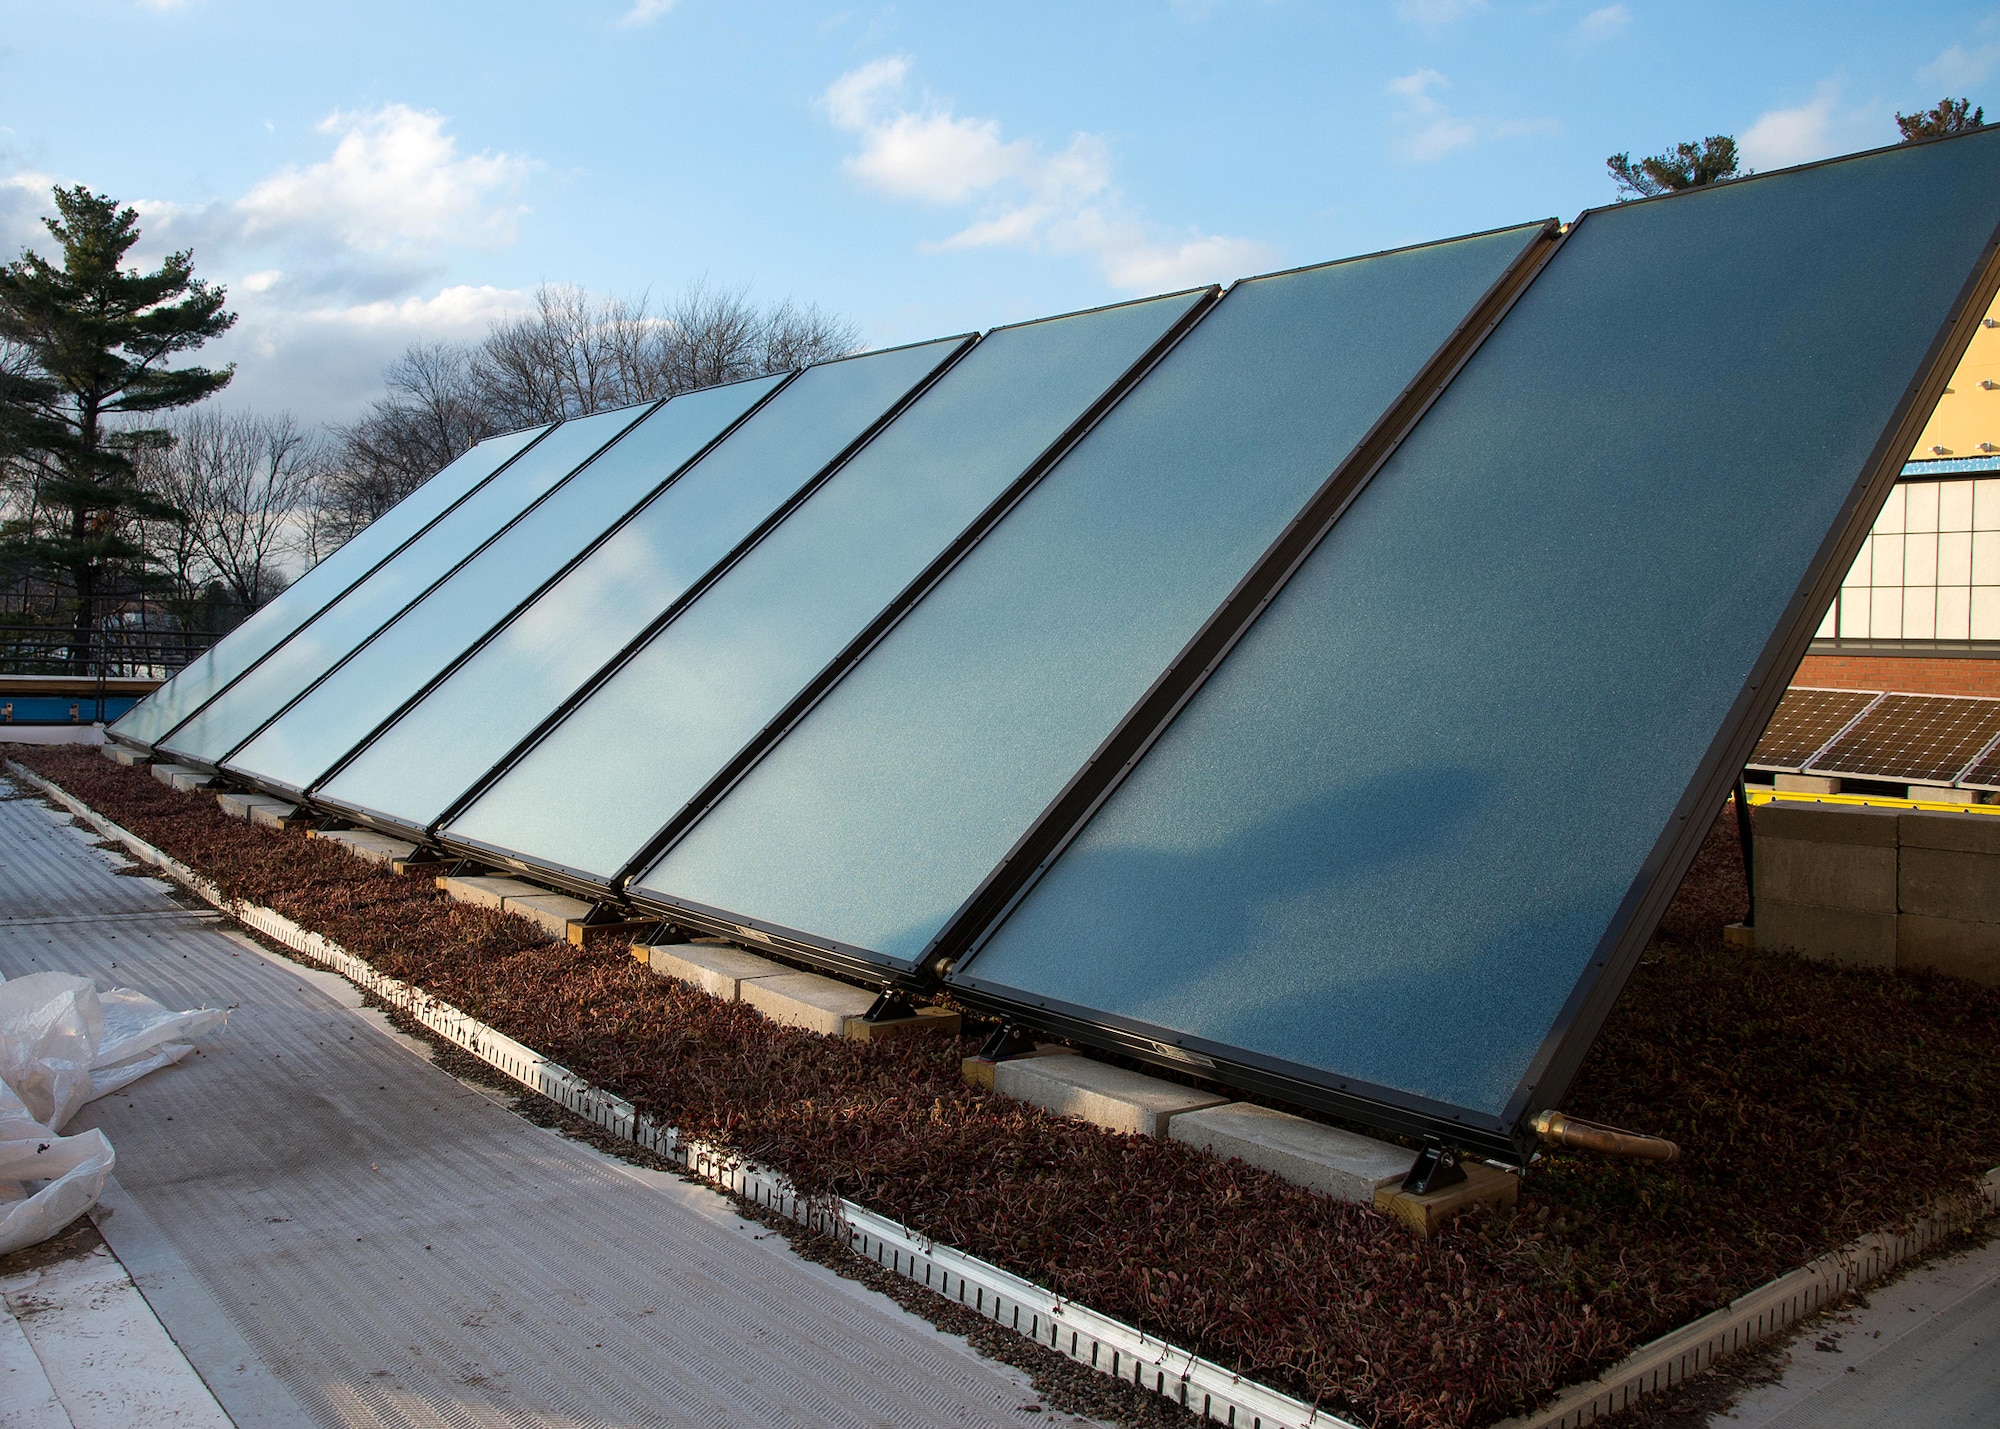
x,y
1813,1103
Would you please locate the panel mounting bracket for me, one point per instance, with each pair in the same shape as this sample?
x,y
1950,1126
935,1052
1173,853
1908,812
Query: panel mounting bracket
x,y
1007,1041
1435,1168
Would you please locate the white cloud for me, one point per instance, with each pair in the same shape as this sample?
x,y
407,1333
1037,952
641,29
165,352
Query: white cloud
x,y
1061,202
1603,24
332,266
1962,65
1791,136
395,180
644,12
1429,130
1813,130
1436,14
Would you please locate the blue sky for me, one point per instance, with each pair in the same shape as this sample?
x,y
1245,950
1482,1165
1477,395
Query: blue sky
x,y
364,174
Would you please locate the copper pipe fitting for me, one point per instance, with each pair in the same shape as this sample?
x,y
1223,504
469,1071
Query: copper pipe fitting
x,y
1555,1129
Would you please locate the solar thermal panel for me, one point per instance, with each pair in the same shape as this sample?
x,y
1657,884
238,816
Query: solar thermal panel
x,y
596,788
1807,719
290,669
1355,869
265,629
1917,739
291,752
882,809
408,776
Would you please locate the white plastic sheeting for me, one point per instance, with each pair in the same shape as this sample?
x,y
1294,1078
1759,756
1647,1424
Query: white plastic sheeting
x,y
63,1043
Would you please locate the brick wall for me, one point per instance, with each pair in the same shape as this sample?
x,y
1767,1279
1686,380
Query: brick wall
x,y
1913,674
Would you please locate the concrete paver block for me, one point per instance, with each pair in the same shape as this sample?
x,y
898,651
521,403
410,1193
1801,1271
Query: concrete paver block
x,y
553,911
1099,1093
1838,935
1338,1163
1425,1214
818,1004
122,754
1827,824
1805,784
1958,946
1949,883
716,968
1827,875
366,845
273,814
1967,833
181,777
487,892
259,809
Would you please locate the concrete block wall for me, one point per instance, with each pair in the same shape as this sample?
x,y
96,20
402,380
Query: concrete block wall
x,y
1881,888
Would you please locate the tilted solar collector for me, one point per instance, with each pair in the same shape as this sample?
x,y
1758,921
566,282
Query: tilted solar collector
x,y
861,833
1354,870
297,748
596,788
202,679
336,632
411,775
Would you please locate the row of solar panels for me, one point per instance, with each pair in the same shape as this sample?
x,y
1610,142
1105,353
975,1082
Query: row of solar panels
x,y
1204,676
1950,741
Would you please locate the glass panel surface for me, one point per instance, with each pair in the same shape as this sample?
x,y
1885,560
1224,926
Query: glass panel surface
x,y
340,711
312,592
1385,841
342,626
590,795
442,745
883,809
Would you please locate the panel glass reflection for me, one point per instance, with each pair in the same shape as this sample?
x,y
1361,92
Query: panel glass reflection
x,y
202,679
301,744
242,709
1387,840
590,795
441,746
885,808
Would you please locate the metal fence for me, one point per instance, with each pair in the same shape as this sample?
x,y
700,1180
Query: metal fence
x,y
115,652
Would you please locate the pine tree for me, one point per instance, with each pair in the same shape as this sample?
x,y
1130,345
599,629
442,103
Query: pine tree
x,y
89,344
1688,166
1949,116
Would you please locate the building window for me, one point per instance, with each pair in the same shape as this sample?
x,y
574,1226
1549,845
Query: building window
x,y
1930,569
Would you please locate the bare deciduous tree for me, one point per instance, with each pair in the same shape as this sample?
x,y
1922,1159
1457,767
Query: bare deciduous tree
x,y
238,481
573,353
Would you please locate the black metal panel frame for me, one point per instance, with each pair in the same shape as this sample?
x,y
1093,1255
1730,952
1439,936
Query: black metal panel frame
x,y
823,683
1201,654
278,786
1596,990
343,592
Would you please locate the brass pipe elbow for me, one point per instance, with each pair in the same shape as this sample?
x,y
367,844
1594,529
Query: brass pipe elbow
x,y
1552,1128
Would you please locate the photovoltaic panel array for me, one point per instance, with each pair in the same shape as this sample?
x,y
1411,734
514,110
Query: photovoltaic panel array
x,y
593,792
1807,719
410,774
291,752
290,669
882,810
1919,739
1353,868
206,676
